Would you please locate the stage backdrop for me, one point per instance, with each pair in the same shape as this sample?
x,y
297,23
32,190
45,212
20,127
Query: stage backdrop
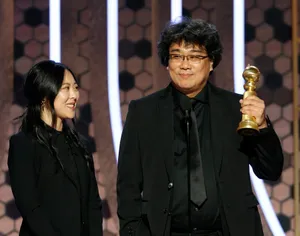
x,y
24,41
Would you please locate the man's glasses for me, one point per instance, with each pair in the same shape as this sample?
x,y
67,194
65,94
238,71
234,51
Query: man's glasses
x,y
177,58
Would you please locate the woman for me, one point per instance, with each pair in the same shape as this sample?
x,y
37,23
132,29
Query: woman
x,y
51,171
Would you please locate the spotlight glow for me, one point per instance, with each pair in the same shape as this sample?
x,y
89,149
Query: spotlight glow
x,y
113,73
176,9
54,31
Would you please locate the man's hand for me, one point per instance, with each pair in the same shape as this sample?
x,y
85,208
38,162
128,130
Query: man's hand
x,y
254,106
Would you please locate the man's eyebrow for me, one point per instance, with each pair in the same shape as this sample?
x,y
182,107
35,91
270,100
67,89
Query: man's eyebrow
x,y
193,50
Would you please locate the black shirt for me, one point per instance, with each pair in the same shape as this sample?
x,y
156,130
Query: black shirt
x,y
206,217
66,153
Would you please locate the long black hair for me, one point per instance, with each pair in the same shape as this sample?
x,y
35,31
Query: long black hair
x,y
191,31
42,84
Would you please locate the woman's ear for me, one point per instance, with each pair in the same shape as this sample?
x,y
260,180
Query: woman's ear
x,y
43,104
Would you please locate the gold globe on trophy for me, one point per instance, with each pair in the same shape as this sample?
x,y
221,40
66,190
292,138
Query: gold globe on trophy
x,y
248,125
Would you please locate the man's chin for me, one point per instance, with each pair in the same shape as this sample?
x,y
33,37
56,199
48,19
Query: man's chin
x,y
185,89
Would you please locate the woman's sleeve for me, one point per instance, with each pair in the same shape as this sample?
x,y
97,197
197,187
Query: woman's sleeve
x,y
23,183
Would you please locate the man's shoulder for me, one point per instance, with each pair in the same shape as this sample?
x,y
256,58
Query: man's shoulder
x,y
152,98
226,93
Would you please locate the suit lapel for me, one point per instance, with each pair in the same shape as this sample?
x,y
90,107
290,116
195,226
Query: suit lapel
x,y
67,163
218,125
82,171
165,129
219,117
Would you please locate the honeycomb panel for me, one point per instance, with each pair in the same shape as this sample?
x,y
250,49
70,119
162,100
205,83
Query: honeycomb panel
x,y
199,9
31,36
269,27
135,51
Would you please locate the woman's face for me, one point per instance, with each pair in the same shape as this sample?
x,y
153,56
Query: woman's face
x,y
67,97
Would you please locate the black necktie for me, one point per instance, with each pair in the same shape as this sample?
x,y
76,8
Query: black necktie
x,y
198,191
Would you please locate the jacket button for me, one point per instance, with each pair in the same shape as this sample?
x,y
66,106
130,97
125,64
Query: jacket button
x,y
170,185
130,231
165,210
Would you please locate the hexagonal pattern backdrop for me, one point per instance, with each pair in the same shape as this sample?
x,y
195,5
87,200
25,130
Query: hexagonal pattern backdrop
x,y
80,66
30,46
199,9
268,46
135,78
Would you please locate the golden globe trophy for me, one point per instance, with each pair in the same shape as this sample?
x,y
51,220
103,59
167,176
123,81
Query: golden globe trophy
x,y
248,125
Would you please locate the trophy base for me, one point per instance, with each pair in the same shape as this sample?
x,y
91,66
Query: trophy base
x,y
247,128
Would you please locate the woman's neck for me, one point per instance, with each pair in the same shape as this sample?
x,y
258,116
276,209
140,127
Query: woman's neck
x,y
48,120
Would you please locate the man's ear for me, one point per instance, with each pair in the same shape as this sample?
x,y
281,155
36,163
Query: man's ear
x,y
211,65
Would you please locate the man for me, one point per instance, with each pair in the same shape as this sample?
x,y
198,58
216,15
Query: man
x,y
183,169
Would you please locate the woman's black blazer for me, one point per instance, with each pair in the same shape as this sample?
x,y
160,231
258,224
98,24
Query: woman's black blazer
x,y
51,200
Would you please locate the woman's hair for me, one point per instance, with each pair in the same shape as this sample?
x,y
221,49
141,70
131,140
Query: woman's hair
x,y
42,84
190,31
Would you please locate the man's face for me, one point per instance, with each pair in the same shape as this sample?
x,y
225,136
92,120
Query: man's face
x,y
189,67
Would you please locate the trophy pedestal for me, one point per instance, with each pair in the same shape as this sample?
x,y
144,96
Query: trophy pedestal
x,y
248,128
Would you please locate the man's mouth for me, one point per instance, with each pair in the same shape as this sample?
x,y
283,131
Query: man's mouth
x,y
185,75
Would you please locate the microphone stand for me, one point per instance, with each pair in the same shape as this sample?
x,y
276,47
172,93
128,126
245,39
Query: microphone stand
x,y
187,122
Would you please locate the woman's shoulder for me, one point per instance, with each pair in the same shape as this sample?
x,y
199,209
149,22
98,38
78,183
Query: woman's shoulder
x,y
22,138
21,144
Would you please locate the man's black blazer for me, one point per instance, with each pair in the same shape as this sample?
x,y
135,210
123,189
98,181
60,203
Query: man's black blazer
x,y
48,197
144,183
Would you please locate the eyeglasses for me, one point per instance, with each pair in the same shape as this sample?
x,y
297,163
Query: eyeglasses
x,y
177,58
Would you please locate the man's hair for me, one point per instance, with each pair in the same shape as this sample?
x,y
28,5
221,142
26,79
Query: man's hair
x,y
190,31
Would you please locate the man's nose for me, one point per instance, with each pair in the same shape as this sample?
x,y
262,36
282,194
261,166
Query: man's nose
x,y
185,63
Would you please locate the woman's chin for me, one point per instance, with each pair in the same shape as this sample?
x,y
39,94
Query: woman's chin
x,y
68,117
71,117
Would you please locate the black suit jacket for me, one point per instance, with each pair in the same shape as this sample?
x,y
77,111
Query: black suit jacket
x,y
48,197
144,184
